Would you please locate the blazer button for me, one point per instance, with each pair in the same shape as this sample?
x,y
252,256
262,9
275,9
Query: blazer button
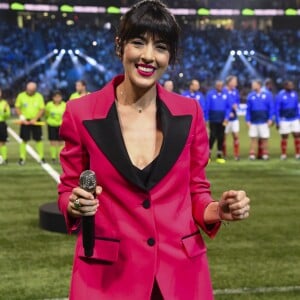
x,y
151,242
146,204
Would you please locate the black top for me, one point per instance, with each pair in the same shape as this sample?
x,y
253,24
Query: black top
x,y
145,173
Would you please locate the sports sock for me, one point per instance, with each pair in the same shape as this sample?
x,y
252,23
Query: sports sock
x,y
297,145
260,148
23,150
283,146
224,147
4,152
40,149
53,152
236,147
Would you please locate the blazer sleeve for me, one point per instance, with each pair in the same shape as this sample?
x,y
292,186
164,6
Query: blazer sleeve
x,y
199,185
74,159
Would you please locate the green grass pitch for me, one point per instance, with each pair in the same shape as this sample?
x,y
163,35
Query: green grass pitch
x,y
263,251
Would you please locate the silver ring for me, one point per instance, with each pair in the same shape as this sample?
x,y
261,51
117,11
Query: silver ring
x,y
77,204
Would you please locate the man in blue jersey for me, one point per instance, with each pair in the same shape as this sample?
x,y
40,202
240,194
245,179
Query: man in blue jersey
x,y
233,125
218,108
194,92
268,86
259,116
287,118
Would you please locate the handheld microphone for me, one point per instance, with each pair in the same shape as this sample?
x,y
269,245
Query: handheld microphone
x,y
88,182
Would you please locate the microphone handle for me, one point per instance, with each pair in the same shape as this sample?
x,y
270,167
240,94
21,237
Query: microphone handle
x,y
88,235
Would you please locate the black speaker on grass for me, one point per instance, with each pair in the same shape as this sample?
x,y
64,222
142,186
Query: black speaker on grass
x,y
51,218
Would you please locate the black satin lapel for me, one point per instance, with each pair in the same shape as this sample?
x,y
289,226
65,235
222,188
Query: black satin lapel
x,y
107,135
175,131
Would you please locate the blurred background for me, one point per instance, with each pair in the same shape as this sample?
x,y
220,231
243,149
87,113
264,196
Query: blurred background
x,y
55,43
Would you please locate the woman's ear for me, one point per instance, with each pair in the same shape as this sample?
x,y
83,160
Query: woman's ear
x,y
118,47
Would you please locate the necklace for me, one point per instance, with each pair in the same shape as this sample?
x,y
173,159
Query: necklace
x,y
138,108
136,105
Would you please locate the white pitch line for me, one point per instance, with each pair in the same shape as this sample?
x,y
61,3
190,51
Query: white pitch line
x,y
34,154
241,291
258,290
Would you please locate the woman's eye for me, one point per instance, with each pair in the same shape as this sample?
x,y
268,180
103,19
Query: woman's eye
x,y
162,46
137,42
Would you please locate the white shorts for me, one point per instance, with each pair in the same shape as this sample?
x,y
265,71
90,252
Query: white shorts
x,y
259,131
232,126
286,127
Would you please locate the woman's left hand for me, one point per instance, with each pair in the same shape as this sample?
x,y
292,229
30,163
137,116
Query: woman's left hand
x,y
234,206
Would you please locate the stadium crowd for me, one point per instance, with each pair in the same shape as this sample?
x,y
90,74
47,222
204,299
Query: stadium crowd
x,y
28,55
203,55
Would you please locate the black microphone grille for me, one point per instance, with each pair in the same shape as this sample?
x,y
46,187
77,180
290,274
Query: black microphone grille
x,y
88,181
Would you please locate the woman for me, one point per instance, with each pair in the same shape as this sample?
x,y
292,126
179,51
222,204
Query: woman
x,y
148,148
54,111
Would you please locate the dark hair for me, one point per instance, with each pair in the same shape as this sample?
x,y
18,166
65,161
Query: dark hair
x,y
229,78
257,80
57,92
82,82
286,83
149,16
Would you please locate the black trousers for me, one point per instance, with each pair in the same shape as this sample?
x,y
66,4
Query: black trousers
x,y
216,132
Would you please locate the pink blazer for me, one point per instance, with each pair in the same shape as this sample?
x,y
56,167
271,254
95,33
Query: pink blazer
x,y
142,233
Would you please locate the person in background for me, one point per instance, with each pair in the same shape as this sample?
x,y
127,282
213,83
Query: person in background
x,y
149,149
30,108
194,93
4,114
81,90
169,85
218,108
54,111
287,118
267,87
259,118
233,125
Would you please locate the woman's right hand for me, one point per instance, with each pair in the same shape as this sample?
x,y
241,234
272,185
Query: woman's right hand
x,y
83,203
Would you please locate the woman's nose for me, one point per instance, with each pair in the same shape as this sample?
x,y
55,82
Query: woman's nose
x,y
148,53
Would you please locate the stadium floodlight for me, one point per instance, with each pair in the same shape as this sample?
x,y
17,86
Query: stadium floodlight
x,y
232,53
253,72
34,65
92,62
227,66
264,62
107,26
239,52
77,65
